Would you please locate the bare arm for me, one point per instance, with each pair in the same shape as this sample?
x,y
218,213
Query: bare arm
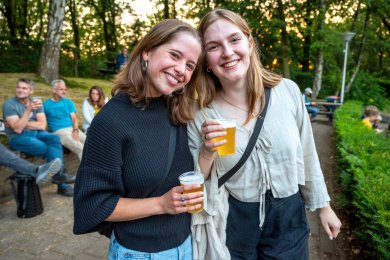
x,y
18,124
40,124
170,203
75,125
209,130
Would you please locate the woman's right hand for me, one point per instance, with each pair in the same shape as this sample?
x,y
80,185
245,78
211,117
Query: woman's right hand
x,y
176,201
211,129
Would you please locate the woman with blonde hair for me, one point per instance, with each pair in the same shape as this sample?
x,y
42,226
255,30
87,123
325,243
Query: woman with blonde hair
x,y
92,105
128,177
259,211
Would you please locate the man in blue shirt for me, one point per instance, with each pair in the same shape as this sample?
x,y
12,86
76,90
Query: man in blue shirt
x,y
121,59
311,107
25,129
62,119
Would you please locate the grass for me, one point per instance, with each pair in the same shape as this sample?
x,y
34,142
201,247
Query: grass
x,y
78,88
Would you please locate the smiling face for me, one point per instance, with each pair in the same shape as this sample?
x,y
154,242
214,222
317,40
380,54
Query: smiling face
x,y
23,90
171,65
227,52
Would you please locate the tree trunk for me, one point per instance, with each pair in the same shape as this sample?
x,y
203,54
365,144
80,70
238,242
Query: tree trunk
x,y
317,82
174,13
286,67
360,55
76,36
10,14
50,57
307,38
166,9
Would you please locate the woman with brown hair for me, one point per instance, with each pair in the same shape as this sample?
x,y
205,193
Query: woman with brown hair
x,y
124,178
92,105
259,213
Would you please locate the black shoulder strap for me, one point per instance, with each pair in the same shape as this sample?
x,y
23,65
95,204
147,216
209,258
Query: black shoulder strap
x,y
251,143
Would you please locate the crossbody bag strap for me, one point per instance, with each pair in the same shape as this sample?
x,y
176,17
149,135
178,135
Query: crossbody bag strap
x,y
251,143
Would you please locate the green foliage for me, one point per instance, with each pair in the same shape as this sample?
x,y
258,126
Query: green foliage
x,y
364,158
20,57
366,89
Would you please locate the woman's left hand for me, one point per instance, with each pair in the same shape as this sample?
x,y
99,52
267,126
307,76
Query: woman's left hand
x,y
330,222
177,200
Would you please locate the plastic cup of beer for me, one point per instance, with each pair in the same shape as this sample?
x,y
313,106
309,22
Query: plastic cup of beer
x,y
193,177
36,99
229,147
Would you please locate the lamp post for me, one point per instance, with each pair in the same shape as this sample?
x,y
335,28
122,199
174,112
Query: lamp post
x,y
347,37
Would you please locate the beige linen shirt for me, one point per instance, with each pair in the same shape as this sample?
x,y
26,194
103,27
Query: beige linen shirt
x,y
284,158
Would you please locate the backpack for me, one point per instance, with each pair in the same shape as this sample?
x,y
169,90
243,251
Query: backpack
x,y
27,195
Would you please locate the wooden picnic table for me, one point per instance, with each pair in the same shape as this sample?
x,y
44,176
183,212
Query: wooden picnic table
x,y
327,108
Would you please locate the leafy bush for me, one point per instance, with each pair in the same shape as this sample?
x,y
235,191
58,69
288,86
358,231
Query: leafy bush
x,y
365,176
366,88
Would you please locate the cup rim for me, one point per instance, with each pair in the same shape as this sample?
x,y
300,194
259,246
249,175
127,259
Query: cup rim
x,y
227,122
193,181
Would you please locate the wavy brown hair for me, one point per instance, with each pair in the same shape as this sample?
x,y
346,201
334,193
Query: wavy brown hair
x,y
208,85
102,98
135,81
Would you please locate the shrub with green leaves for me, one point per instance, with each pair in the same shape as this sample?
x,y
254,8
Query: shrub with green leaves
x,y
364,165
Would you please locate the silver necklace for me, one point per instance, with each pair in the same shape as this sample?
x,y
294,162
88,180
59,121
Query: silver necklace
x,y
230,103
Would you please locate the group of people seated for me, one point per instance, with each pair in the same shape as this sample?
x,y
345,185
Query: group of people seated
x,y
41,129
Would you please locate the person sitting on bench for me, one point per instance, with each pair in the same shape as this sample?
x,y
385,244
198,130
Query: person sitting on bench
x,y
41,173
25,129
311,107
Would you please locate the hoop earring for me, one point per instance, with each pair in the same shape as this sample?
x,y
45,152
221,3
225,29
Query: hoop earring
x,y
144,65
208,70
181,92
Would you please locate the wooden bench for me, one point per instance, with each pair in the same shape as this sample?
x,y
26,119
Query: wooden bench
x,y
327,108
109,70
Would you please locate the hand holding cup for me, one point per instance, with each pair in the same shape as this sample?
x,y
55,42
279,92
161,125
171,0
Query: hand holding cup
x,y
36,103
219,135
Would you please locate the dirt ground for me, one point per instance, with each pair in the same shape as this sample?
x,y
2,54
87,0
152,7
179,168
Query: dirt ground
x,y
345,246
49,235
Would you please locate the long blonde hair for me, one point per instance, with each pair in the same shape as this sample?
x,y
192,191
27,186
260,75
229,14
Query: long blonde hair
x,y
208,85
134,80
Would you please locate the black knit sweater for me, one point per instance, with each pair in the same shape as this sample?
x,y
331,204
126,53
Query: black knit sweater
x,y
125,155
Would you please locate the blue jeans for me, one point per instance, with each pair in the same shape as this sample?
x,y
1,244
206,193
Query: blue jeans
x,y
9,159
312,110
118,252
38,143
284,234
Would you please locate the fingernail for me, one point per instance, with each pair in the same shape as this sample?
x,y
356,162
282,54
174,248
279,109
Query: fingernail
x,y
330,237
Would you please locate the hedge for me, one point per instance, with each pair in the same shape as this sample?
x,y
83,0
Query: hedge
x,y
364,166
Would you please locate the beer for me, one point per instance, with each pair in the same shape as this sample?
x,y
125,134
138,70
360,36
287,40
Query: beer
x,y
193,178
230,146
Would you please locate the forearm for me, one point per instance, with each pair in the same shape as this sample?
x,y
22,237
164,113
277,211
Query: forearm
x,y
21,124
131,209
75,122
36,125
206,161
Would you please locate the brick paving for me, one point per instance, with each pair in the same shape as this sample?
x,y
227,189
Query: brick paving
x,y
49,235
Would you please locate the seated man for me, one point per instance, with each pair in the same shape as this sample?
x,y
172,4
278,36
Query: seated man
x,y
311,107
121,59
62,119
25,129
41,173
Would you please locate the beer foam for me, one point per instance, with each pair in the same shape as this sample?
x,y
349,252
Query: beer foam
x,y
227,123
191,178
